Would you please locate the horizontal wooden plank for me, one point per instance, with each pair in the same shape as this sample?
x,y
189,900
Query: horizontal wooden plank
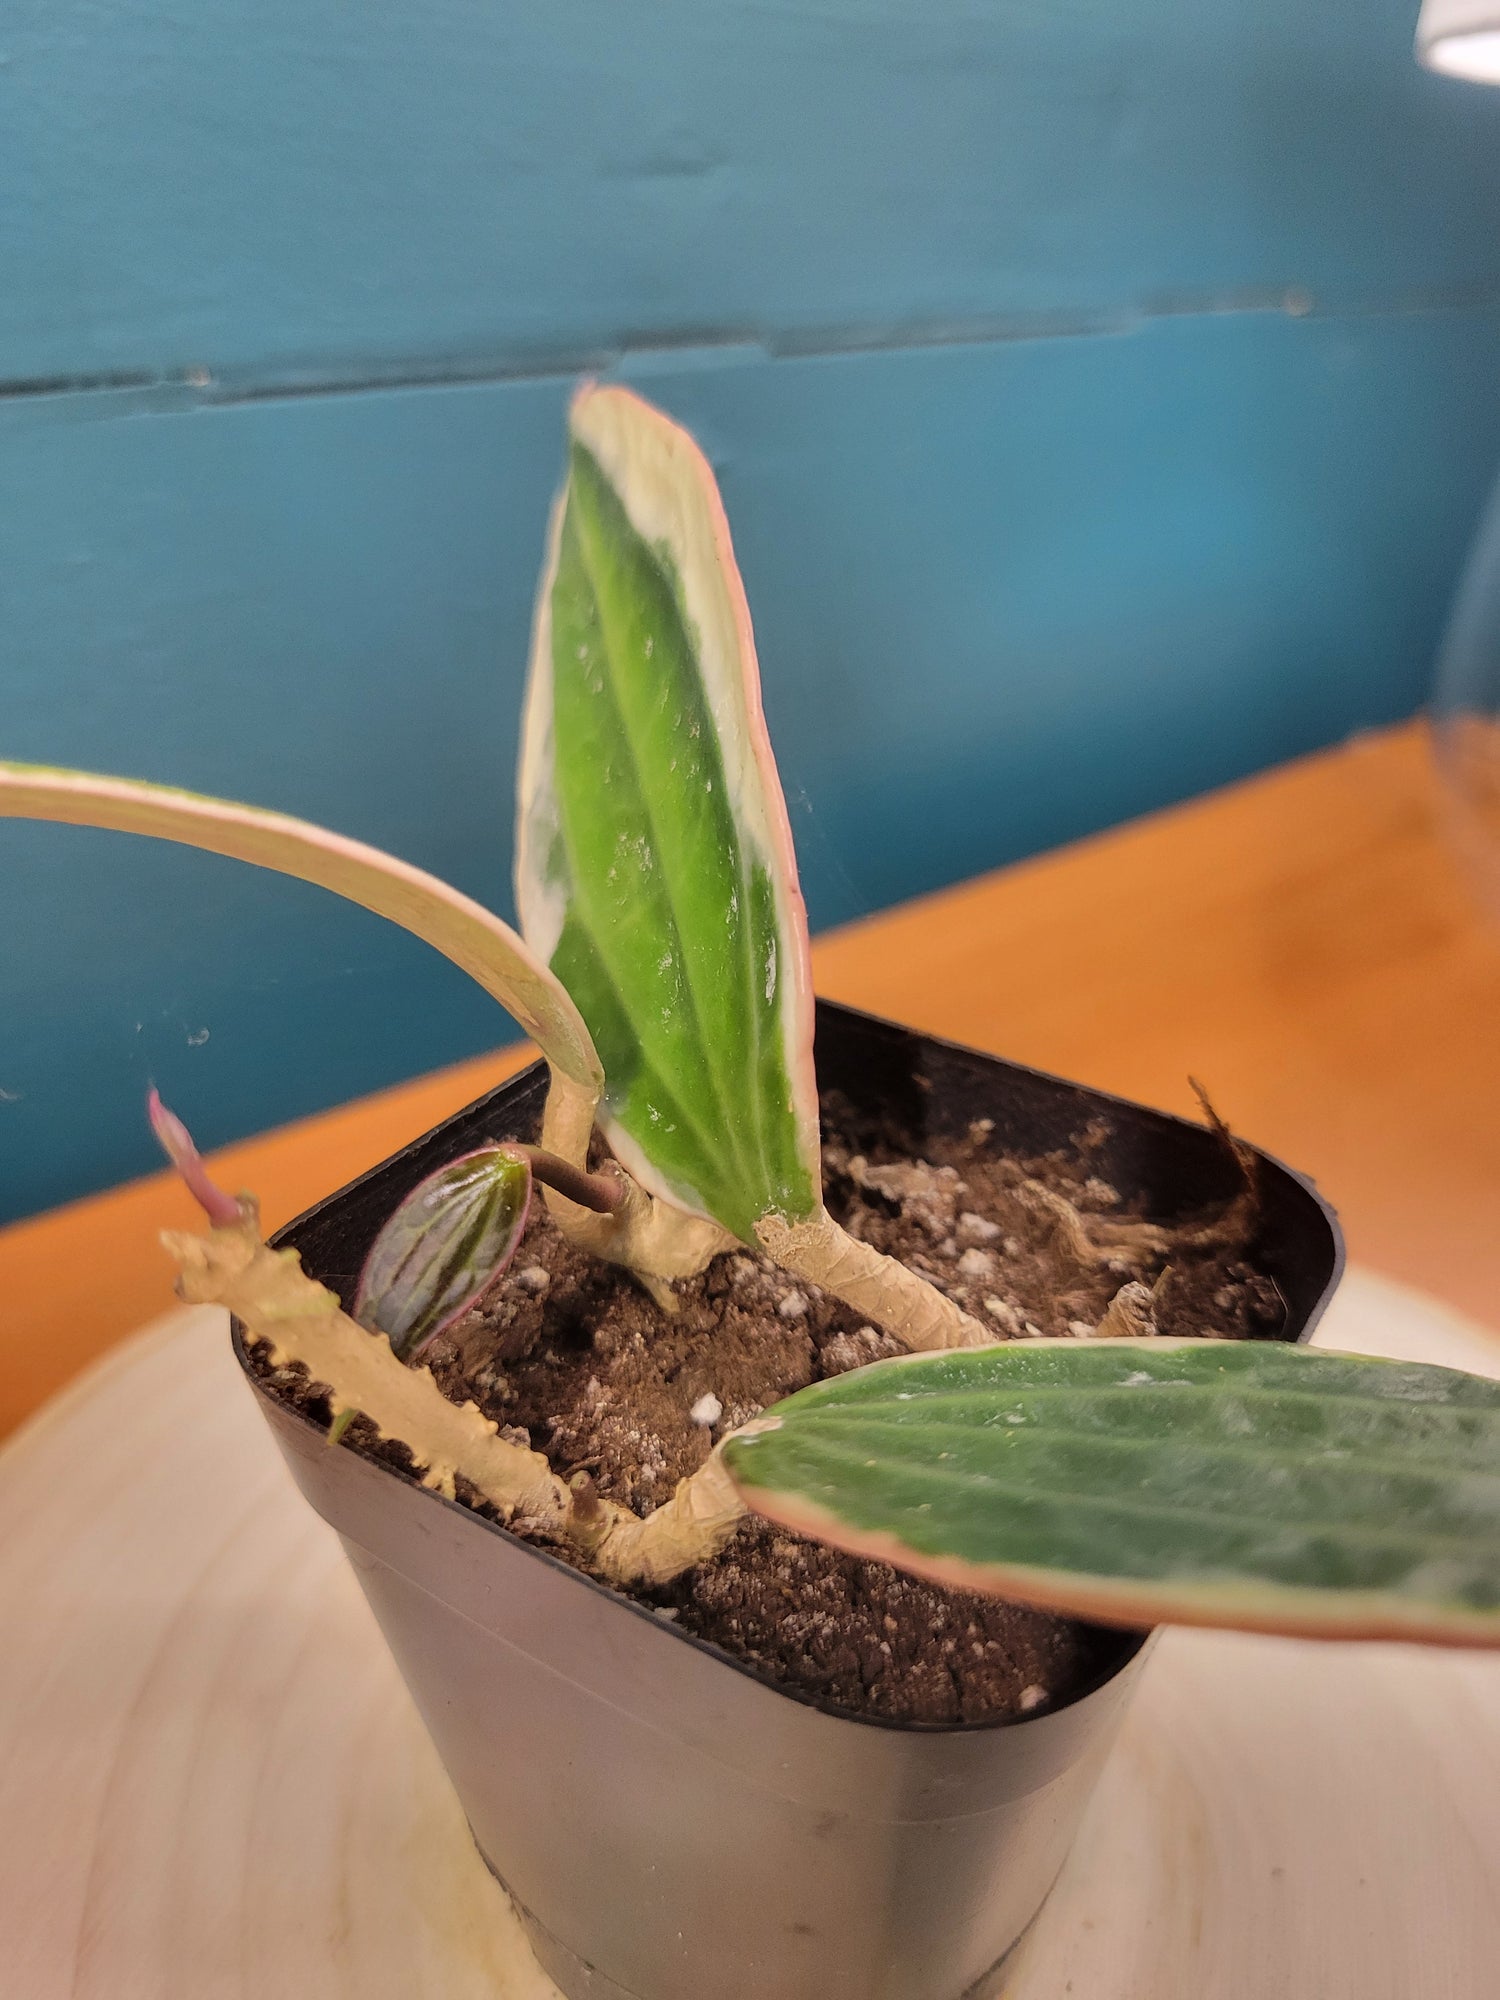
x,y
299,189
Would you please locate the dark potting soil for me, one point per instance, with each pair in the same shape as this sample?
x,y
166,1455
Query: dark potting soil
x,y
571,1356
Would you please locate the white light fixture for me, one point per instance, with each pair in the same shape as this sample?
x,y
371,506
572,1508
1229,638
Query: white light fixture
x,y
1461,38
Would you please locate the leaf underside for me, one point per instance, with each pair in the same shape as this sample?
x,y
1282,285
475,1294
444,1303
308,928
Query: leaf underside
x,y
1242,1484
443,1248
647,850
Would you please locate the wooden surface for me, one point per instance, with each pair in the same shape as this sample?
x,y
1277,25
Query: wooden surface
x,y
1301,942
289,192
214,1787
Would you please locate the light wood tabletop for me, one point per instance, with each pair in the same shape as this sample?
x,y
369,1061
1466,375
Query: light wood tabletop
x,y
213,1783
1302,943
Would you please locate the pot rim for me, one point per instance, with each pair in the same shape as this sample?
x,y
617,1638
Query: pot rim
x,y
865,1018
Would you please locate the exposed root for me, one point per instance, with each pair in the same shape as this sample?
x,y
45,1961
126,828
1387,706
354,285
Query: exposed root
x,y
1237,1221
1100,1240
1241,1153
1130,1314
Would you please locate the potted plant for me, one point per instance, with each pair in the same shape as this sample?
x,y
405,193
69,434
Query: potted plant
x,y
686,1787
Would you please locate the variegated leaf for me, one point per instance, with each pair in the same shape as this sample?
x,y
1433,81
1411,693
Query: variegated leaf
x,y
655,871
1232,1483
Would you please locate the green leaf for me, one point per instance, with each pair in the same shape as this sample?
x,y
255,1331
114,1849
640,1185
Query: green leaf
x,y
444,1247
654,867
1233,1483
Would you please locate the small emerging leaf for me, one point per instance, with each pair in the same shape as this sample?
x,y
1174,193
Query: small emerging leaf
x,y
654,866
444,1247
302,1321
177,1142
1232,1483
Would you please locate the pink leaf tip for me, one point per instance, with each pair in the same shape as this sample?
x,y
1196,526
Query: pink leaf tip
x,y
176,1142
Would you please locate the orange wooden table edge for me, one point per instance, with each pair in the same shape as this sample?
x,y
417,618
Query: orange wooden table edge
x,y
1300,941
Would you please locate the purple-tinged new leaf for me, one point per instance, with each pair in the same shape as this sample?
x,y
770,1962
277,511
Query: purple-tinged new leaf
x,y
444,1247
175,1140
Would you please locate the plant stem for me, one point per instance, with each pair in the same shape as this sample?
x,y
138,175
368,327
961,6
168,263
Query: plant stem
x,y
694,1524
603,1193
906,1306
652,1238
303,1321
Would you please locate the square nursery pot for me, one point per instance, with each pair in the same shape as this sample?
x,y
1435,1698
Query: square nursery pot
x,y
670,1825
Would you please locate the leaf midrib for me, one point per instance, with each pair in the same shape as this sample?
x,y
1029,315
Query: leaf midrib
x,y
744,850
727,1129
599,935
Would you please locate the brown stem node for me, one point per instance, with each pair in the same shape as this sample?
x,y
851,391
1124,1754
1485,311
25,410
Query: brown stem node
x,y
603,1192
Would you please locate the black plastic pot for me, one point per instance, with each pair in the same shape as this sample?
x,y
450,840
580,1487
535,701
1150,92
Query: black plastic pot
x,y
670,1825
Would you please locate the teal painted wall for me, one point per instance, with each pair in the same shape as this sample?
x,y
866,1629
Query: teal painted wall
x,y
1103,393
